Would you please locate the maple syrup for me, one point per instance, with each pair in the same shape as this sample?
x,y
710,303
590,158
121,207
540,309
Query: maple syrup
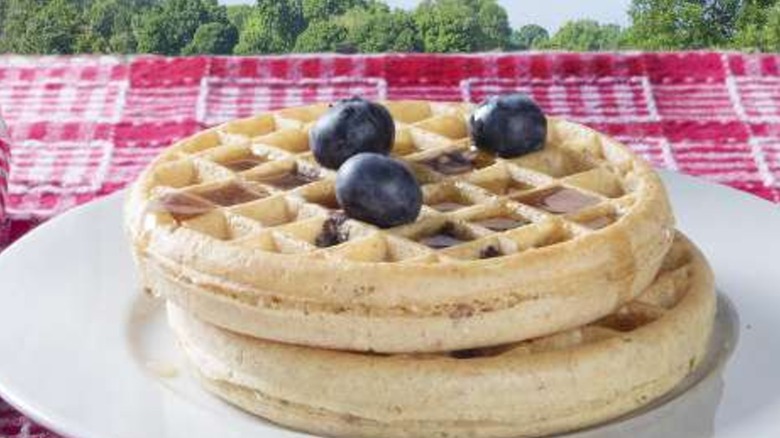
x,y
330,202
182,206
243,164
599,222
444,237
231,194
501,223
287,180
560,200
459,162
448,206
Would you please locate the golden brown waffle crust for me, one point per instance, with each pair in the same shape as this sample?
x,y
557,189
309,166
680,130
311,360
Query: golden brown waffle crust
x,y
559,383
562,275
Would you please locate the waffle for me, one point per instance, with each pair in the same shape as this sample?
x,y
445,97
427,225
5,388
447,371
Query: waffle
x,y
547,385
240,226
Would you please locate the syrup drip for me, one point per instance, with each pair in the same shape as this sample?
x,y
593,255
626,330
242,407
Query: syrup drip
x,y
231,194
181,206
329,202
243,164
445,237
287,180
456,163
502,223
448,206
599,222
561,200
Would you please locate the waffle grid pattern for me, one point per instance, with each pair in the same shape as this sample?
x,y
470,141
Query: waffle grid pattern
x,y
670,287
254,183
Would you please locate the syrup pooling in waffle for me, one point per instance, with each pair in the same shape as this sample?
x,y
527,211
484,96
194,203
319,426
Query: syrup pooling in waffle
x,y
462,184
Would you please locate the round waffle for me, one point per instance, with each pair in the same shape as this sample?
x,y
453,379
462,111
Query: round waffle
x,y
239,225
560,382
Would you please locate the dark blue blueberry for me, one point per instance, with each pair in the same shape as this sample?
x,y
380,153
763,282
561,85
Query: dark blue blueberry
x,y
509,126
379,190
350,127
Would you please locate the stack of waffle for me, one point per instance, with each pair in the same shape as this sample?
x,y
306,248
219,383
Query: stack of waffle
x,y
531,296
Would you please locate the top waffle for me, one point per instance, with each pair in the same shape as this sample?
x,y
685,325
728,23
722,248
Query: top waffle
x,y
241,223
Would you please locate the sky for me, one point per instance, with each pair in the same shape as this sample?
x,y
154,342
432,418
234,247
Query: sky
x,y
551,14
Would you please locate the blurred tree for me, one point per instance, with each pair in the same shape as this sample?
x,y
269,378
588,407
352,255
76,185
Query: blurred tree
x,y
585,35
272,27
237,14
3,9
447,25
151,33
53,29
494,30
168,28
215,38
528,37
108,26
321,36
462,25
751,24
326,9
377,28
772,29
682,24
17,13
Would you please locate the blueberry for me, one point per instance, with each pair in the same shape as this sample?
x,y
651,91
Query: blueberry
x,y
377,189
509,126
350,127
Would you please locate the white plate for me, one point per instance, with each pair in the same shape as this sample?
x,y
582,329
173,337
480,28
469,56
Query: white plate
x,y
83,353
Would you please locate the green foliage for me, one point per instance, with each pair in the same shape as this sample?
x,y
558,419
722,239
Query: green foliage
x,y
314,10
528,37
216,38
108,26
462,25
321,36
447,26
53,29
237,14
494,30
585,35
771,31
170,27
379,29
752,25
15,14
151,33
272,27
3,12
682,24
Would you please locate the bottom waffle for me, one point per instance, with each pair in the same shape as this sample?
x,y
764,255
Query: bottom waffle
x,y
546,385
